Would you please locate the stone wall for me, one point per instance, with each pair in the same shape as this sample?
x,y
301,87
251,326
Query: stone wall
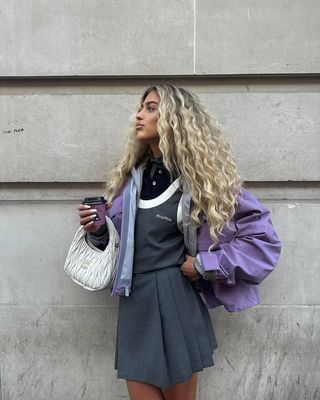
x,y
71,75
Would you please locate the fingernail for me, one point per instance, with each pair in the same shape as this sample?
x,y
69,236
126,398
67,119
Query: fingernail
x,y
94,210
91,222
86,206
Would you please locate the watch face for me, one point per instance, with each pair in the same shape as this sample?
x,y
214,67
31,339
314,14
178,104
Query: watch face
x,y
198,267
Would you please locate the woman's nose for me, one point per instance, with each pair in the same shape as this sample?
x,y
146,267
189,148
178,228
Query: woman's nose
x,y
139,115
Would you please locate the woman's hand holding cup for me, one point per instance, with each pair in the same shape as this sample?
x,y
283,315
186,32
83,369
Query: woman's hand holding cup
x,y
87,218
92,213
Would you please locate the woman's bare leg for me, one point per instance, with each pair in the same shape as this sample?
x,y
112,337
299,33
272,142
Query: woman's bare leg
x,y
143,391
186,390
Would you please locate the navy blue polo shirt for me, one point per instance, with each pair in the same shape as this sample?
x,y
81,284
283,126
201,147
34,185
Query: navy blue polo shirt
x,y
156,179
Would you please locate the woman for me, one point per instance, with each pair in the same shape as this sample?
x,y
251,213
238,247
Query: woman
x,y
187,227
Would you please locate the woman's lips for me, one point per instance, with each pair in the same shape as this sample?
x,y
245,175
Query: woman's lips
x,y
139,126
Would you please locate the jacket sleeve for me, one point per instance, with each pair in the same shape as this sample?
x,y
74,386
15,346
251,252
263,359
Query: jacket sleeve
x,y
100,238
254,250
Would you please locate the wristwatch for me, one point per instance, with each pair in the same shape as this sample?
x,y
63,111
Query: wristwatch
x,y
206,275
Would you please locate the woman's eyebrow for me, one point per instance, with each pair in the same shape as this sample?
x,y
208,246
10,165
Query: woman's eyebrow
x,y
150,102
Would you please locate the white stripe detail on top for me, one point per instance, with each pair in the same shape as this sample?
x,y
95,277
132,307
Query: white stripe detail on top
x,y
179,216
162,197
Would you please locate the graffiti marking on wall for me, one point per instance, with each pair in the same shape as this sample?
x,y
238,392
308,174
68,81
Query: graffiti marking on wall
x,y
12,131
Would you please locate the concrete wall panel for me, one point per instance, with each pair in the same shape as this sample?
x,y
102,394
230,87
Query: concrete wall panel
x,y
66,37
256,37
79,137
297,276
58,353
127,38
265,353
34,243
268,133
64,138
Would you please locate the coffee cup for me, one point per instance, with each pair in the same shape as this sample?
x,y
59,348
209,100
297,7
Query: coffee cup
x,y
99,204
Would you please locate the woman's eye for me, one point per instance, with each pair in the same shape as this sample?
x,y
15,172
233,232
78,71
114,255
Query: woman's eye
x,y
150,109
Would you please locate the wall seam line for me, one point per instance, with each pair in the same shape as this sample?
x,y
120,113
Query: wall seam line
x,y
1,389
194,37
51,306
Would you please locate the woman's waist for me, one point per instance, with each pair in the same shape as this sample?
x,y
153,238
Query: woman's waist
x,y
145,270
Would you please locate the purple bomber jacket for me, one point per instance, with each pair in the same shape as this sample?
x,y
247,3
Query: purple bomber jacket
x,y
243,258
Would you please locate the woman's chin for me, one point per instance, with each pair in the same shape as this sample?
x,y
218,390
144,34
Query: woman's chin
x,y
144,137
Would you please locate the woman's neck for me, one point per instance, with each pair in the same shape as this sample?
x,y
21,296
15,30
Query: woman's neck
x,y
155,151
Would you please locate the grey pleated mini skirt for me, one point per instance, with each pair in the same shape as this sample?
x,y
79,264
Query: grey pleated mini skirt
x,y
164,331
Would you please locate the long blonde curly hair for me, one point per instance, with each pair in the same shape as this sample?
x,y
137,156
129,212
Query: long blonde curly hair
x,y
193,146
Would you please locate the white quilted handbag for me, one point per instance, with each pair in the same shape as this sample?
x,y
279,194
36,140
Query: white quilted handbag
x,y
90,267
